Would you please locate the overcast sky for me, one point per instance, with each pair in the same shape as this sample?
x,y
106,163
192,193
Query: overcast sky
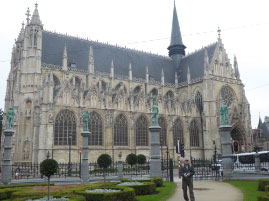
x,y
146,25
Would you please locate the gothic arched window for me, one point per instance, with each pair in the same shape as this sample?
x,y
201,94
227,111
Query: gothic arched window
x,y
227,95
141,131
199,101
65,128
96,129
178,132
194,134
121,131
163,132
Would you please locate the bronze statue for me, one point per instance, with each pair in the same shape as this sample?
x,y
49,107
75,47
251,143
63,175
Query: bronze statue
x,y
85,117
10,118
224,114
154,116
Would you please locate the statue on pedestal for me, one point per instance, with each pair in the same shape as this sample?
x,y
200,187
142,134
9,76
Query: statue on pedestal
x,y
154,116
85,117
10,118
224,114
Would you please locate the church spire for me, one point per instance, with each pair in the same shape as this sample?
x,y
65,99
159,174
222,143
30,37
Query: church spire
x,y
35,17
64,61
260,122
91,61
236,70
21,34
176,45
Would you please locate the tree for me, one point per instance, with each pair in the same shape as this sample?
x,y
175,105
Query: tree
x,y
104,161
49,167
131,159
141,159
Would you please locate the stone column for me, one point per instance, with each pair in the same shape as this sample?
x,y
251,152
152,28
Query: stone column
x,y
226,145
257,163
85,164
155,159
120,169
6,163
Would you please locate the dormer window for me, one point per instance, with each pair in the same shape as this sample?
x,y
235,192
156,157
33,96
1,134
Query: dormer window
x,y
73,65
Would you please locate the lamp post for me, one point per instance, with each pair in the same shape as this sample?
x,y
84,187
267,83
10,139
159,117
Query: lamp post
x,y
167,158
69,161
80,149
48,155
161,139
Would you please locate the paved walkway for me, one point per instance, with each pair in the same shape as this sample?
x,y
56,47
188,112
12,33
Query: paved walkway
x,y
210,191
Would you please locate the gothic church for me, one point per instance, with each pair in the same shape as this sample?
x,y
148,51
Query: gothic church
x,y
55,77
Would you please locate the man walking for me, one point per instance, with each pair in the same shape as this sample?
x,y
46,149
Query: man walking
x,y
187,172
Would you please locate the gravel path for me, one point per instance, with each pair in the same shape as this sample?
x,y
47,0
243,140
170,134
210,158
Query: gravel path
x,y
210,191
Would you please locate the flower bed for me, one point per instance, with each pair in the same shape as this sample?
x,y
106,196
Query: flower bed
x,y
124,194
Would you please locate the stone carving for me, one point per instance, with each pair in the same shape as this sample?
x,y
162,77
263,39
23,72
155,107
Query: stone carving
x,y
154,116
10,118
224,114
28,112
51,117
85,117
108,117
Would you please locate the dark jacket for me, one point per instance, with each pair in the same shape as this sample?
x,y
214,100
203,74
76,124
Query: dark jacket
x,y
189,169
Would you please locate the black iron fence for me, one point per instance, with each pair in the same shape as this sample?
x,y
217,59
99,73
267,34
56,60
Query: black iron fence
x,y
207,169
32,170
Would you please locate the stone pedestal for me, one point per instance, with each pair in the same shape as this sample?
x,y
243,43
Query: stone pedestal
x,y
6,163
85,164
120,169
226,145
257,163
155,159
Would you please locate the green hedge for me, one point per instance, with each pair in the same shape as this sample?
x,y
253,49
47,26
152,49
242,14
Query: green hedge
x,y
126,194
24,193
158,181
144,189
263,198
6,193
24,185
262,183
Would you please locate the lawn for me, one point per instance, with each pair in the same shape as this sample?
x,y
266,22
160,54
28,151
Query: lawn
x,y
249,189
163,193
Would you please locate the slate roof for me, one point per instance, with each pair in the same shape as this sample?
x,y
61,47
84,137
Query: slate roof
x,y
78,53
265,129
195,61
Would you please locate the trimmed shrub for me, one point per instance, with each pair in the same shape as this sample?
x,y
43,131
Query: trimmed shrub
x,y
144,189
6,193
24,193
48,167
263,198
23,185
104,161
262,183
131,159
141,159
126,194
158,181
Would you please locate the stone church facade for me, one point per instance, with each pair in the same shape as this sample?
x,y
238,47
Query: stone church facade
x,y
55,77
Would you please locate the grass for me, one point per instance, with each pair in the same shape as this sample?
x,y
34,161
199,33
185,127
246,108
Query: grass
x,y
249,189
163,193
